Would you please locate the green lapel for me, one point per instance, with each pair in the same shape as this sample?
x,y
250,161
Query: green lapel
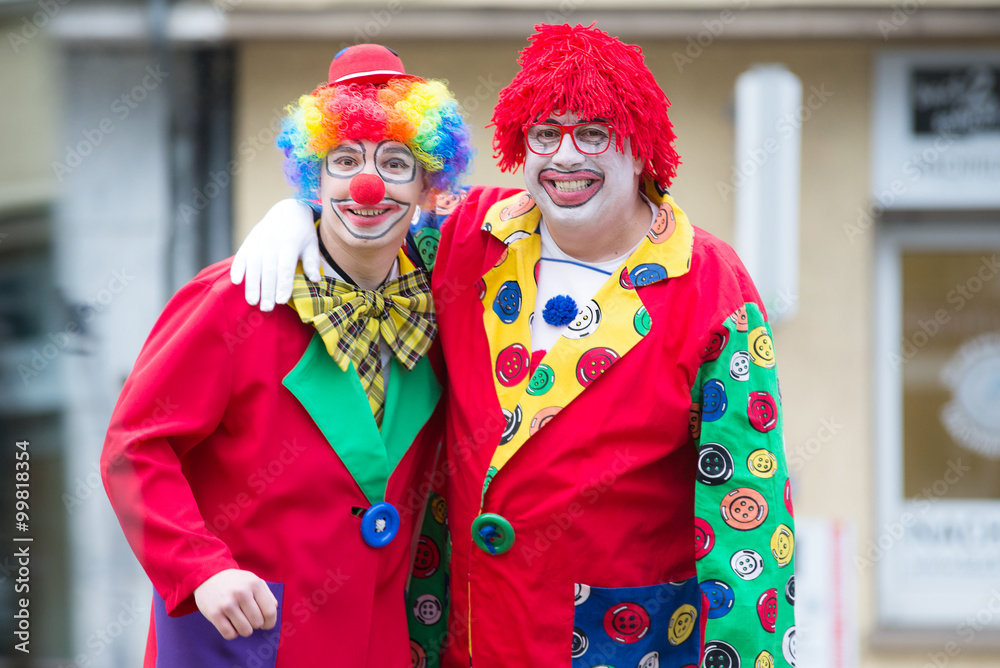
x,y
338,405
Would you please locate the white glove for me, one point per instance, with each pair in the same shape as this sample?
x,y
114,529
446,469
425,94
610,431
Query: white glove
x,y
270,253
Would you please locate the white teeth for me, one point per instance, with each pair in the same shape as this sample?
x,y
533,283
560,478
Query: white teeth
x,y
572,186
368,213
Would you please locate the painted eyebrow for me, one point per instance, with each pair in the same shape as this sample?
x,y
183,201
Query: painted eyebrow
x,y
402,150
347,149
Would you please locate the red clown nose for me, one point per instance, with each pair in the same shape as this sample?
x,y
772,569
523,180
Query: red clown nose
x,y
367,189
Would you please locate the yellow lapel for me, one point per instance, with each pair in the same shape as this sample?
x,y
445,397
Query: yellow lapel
x,y
574,362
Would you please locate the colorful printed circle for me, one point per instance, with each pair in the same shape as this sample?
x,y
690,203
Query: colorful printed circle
x,y
761,347
626,622
788,646
764,660
625,280
747,564
427,609
744,509
739,365
427,245
682,623
512,365
762,411
523,205
642,322
767,609
694,420
507,304
439,509
580,643
713,400
514,237
446,202
790,590
782,545
762,463
646,274
739,318
788,497
717,341
427,559
537,271
513,424
715,464
587,320
650,660
541,418
719,654
593,363
704,537
418,657
542,380
502,258
581,593
480,287
721,597
663,225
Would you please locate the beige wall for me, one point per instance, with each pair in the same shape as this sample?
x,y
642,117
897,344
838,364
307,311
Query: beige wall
x,y
824,351
28,115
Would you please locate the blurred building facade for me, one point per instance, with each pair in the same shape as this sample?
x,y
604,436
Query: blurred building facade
x,y
138,147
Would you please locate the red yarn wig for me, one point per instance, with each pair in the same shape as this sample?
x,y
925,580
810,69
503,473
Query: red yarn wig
x,y
586,71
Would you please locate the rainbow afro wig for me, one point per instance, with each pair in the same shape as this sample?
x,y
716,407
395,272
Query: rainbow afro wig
x,y
586,71
421,114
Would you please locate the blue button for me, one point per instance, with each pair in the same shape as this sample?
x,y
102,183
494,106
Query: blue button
x,y
380,524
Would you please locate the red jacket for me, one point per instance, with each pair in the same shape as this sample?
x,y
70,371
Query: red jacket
x,y
608,559
238,443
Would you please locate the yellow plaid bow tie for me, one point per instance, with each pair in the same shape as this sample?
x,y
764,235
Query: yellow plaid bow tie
x,y
350,320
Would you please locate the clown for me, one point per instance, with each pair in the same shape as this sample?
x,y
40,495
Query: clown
x,y
597,441
273,504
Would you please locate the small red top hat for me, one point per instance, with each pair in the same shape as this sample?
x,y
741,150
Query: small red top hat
x,y
367,63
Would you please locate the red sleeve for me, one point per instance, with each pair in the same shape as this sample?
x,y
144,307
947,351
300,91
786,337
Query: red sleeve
x,y
175,396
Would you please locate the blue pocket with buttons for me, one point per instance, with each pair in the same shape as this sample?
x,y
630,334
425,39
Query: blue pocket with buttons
x,y
643,627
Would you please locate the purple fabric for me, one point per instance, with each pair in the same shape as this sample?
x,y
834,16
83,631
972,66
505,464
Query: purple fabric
x,y
191,641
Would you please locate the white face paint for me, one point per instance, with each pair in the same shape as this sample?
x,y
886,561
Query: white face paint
x,y
370,226
587,320
576,191
739,365
747,564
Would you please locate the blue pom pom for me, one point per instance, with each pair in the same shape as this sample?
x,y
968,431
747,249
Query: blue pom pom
x,y
560,311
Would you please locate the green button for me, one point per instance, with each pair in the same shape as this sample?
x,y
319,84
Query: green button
x,y
492,533
542,380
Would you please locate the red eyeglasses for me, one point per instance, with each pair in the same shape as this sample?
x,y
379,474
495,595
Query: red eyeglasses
x,y
592,138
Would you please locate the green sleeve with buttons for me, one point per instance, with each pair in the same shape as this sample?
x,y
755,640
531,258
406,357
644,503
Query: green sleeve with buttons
x,y
743,515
